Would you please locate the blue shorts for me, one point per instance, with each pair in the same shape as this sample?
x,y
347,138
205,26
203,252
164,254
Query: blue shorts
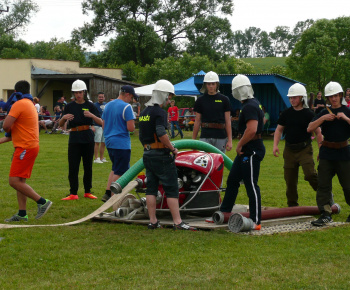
x,y
120,160
160,167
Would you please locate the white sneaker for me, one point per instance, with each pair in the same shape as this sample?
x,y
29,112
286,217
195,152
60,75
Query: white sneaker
x,y
104,160
98,160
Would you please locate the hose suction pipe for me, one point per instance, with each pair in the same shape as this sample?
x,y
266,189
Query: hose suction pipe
x,y
223,217
117,186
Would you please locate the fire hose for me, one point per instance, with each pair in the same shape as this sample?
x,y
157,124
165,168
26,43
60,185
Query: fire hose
x,y
223,217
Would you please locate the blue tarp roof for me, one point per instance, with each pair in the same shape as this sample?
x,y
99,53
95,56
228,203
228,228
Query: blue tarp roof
x,y
187,87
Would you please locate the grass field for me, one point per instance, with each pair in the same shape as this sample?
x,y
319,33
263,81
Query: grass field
x,y
97,255
264,64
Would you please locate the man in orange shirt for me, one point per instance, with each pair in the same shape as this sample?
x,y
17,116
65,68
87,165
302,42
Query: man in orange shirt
x,y
22,124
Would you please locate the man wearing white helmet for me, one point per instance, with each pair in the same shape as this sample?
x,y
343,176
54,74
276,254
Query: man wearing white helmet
x,y
334,151
81,115
213,115
298,149
159,163
250,151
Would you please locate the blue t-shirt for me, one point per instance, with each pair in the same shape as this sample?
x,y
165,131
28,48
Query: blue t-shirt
x,y
115,116
2,104
100,108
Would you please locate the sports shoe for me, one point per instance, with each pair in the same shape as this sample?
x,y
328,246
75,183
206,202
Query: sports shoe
x,y
348,219
43,208
105,197
17,218
89,195
71,197
324,219
154,226
98,160
104,160
256,227
184,226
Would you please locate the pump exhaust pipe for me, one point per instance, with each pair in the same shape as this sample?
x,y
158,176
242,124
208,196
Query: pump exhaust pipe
x,y
223,217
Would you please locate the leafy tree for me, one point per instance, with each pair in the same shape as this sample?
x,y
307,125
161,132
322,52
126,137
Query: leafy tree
x,y
298,30
280,40
147,29
11,48
322,54
240,44
264,45
55,49
19,15
210,36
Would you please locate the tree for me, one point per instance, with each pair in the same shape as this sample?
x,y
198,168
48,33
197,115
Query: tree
x,y
240,44
322,54
163,24
55,49
264,45
19,15
11,48
298,30
280,40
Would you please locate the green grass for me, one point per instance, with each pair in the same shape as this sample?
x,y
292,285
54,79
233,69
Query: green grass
x,y
108,256
264,64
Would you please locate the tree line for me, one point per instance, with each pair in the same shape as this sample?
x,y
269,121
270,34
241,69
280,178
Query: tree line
x,y
172,39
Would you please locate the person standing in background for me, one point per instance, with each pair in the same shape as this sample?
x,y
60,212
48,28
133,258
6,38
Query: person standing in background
x,y
99,137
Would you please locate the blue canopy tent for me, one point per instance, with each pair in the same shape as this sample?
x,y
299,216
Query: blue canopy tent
x,y
270,89
187,87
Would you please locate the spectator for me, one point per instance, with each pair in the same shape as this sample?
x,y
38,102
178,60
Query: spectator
x,y
37,105
58,114
173,117
213,115
298,149
266,119
2,103
60,103
334,151
81,114
118,121
234,123
2,118
188,119
46,119
22,123
347,98
99,137
136,107
319,103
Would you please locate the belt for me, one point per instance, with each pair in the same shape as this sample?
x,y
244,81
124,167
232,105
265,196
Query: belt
x,y
256,137
298,146
158,145
213,125
335,145
81,128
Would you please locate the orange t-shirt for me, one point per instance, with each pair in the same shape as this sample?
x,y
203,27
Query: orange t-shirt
x,y
25,130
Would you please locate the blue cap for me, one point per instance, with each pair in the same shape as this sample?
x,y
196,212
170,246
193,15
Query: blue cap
x,y
130,90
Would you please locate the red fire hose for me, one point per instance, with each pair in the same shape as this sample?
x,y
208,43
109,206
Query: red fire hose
x,y
222,217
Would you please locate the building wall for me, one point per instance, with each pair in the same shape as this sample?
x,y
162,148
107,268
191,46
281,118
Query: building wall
x,y
13,70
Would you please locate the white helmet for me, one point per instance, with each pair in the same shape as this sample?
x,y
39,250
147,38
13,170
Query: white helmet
x,y
160,93
333,88
298,90
79,85
210,77
164,86
242,88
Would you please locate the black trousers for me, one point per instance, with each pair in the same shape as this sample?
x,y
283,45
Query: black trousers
x,y
76,152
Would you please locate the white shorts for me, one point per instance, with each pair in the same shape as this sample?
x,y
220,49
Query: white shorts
x,y
47,122
99,137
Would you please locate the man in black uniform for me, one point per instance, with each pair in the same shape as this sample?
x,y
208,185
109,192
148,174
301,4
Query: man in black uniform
x,y
159,163
334,152
298,149
250,151
213,115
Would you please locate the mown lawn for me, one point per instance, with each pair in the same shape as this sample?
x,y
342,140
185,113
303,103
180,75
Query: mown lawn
x,y
264,64
96,255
